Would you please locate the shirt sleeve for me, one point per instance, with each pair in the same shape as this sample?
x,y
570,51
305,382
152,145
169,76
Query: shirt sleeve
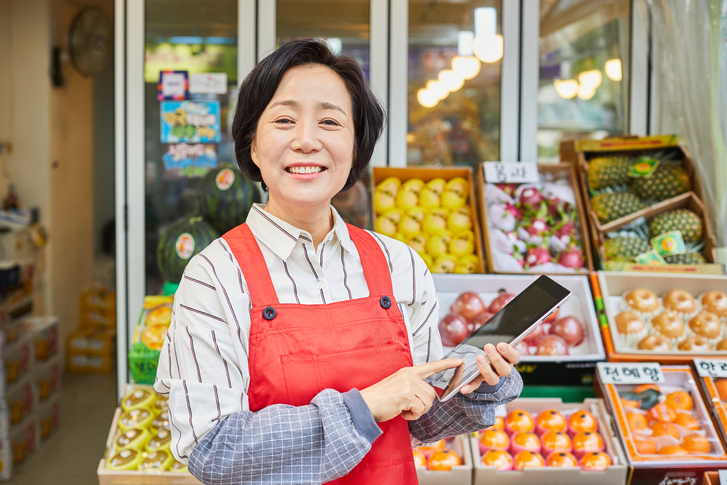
x,y
203,369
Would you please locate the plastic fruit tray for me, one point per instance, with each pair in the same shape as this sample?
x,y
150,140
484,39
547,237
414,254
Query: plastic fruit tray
x,y
549,475
458,475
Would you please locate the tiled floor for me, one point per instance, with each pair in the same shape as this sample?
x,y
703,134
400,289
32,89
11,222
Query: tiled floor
x,y
72,455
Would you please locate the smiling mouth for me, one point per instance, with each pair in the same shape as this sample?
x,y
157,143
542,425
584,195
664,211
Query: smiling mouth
x,y
315,169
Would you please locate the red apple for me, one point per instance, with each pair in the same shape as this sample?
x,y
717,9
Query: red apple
x,y
552,345
453,329
535,336
569,329
480,320
469,305
500,301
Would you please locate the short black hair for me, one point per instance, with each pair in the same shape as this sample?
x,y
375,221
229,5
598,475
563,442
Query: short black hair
x,y
258,89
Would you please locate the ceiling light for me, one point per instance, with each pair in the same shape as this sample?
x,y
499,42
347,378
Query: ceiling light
x,y
586,92
488,49
427,98
613,69
566,88
591,78
450,80
466,66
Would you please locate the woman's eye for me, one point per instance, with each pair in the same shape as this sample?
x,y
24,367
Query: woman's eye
x,y
330,122
284,121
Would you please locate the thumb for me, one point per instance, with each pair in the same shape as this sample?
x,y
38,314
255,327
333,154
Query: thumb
x,y
431,368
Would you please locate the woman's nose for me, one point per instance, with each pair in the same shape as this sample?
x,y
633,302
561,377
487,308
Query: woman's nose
x,y
306,139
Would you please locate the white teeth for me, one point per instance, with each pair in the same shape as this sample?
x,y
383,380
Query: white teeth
x,y
305,169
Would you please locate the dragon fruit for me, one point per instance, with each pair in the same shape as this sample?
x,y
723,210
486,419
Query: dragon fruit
x,y
572,257
557,207
509,189
537,255
514,211
518,256
539,225
531,199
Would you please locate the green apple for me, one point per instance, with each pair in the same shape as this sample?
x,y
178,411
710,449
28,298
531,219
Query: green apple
x,y
418,243
383,202
452,199
428,198
444,264
390,185
435,221
459,220
462,244
438,245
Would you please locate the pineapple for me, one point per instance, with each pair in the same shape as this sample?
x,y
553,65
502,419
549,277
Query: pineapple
x,y
624,248
609,207
608,171
669,180
686,221
686,258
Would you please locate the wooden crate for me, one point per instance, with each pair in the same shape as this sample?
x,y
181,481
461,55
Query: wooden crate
x,y
564,170
430,173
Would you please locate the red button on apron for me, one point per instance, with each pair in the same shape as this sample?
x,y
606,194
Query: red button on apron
x,y
304,349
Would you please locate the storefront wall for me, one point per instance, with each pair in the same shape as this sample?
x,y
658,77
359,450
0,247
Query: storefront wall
x,y
546,70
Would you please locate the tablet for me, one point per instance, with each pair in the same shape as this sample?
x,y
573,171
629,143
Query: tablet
x,y
510,325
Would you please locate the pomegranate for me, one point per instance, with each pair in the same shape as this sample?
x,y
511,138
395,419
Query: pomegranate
x,y
523,348
552,345
572,257
551,318
469,305
531,199
480,320
538,255
453,329
569,329
500,301
535,336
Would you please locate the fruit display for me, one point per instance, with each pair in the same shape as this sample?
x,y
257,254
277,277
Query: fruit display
x,y
448,459
435,217
570,334
549,435
677,235
665,427
536,228
149,337
676,317
139,441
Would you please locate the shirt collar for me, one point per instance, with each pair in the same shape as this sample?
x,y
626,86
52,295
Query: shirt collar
x,y
281,237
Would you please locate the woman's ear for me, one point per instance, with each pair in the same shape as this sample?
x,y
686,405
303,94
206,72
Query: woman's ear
x,y
253,152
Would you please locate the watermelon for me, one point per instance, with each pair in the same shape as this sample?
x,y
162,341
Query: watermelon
x,y
181,240
225,196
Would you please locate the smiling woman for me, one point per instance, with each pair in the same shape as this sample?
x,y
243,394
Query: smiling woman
x,y
299,345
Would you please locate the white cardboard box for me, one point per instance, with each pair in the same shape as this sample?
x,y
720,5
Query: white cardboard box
x,y
458,475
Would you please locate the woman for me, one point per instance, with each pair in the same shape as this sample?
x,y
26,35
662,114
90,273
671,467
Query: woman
x,y
294,338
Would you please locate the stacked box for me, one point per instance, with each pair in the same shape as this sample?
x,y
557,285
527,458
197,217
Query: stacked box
x,y
92,347
432,468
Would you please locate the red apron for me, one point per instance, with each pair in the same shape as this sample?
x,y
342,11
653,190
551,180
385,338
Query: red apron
x,y
296,351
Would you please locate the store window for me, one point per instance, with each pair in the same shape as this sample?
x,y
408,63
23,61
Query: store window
x,y
584,71
191,37
344,24
455,52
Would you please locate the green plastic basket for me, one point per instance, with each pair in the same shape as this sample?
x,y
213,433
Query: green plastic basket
x,y
143,363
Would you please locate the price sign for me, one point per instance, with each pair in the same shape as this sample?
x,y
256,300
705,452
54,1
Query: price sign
x,y
630,373
512,173
711,368
722,477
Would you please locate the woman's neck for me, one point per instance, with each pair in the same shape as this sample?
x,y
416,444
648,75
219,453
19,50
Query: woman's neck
x,y
318,222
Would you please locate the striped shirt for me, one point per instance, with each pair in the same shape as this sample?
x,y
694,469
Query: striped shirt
x,y
203,366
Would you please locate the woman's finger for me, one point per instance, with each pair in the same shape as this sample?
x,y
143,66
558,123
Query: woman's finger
x,y
485,368
472,386
509,352
501,367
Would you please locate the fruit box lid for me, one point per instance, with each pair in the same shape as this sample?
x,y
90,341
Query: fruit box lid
x,y
580,305
677,378
625,143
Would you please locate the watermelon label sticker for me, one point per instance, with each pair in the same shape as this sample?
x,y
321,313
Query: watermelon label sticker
x,y
644,168
185,245
225,178
669,243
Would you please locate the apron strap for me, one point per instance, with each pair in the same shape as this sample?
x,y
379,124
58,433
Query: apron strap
x,y
250,258
375,268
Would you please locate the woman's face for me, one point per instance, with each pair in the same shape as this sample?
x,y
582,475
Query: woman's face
x,y
304,140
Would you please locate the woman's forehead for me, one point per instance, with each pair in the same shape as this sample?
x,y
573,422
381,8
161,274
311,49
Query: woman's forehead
x,y
315,85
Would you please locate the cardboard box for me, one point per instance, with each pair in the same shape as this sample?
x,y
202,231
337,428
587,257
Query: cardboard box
x,y
579,152
575,369
25,439
98,318
614,285
711,396
108,477
458,475
45,336
658,468
427,174
98,299
88,362
21,400
91,341
18,360
614,474
559,171
49,415
48,378
711,478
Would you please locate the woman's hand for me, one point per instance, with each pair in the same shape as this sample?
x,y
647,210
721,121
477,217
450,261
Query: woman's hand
x,y
405,392
501,358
